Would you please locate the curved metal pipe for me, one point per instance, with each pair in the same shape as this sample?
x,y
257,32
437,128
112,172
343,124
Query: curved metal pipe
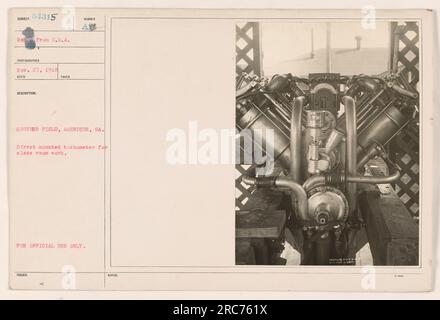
x,y
318,180
249,180
299,199
374,179
351,145
299,195
393,177
313,182
295,138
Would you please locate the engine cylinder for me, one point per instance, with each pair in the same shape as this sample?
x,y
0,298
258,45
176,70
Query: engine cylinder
x,y
382,128
258,121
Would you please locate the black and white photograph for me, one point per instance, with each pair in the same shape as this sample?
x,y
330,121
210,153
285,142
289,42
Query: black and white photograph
x,y
327,114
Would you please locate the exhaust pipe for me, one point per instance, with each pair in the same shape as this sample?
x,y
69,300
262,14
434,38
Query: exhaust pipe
x,y
299,195
351,154
295,138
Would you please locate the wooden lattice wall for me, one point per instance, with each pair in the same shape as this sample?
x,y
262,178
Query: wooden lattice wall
x,y
248,49
405,147
248,59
